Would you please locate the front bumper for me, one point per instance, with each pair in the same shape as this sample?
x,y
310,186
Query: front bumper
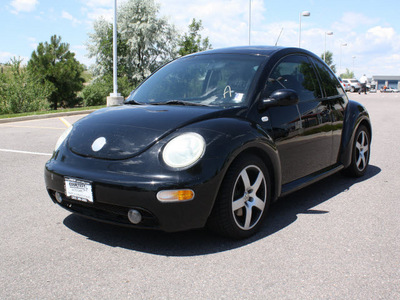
x,y
115,193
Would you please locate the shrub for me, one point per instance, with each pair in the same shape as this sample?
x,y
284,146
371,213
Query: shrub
x,y
97,92
22,92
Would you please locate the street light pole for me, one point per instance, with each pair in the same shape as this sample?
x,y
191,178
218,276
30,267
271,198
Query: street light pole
x,y
304,14
326,33
340,65
115,91
353,62
249,21
115,98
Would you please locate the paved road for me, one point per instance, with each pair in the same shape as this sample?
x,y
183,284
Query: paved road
x,y
338,239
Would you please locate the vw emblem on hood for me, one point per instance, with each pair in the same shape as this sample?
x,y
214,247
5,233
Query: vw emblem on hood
x,y
98,144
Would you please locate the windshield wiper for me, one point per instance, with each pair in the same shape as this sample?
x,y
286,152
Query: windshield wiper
x,y
132,101
178,102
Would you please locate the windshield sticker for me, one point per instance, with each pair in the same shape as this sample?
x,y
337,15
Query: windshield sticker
x,y
238,97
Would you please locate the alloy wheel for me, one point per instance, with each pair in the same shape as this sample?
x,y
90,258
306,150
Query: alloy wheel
x,y
362,148
249,197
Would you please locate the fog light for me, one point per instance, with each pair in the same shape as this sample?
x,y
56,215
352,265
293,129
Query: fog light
x,y
134,216
58,197
175,195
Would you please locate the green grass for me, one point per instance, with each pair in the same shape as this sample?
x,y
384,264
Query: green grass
x,y
6,116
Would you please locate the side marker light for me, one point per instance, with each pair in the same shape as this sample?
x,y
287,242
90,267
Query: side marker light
x,y
175,195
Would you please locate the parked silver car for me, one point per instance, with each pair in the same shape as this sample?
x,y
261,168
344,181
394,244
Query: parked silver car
x,y
355,85
345,85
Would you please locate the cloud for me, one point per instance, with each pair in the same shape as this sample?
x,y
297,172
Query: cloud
x,y
225,22
351,21
23,5
5,57
99,3
97,13
96,9
68,16
33,42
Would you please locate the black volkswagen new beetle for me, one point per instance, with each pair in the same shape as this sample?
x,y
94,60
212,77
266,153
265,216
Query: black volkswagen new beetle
x,y
211,139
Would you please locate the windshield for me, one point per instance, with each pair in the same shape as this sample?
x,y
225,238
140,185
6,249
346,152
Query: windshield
x,y
214,80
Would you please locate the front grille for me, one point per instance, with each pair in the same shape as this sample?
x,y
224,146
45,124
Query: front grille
x,y
105,212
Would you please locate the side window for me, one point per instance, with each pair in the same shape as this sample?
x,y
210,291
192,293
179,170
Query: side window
x,y
297,73
329,81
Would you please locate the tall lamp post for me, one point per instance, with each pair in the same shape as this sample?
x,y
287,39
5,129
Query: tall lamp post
x,y
326,33
249,20
115,98
302,14
341,45
353,62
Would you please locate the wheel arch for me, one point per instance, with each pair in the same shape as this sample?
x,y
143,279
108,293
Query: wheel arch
x,y
270,158
356,115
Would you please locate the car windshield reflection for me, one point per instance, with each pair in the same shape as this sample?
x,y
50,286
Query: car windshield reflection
x,y
208,80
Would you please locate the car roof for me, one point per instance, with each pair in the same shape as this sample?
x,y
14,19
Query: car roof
x,y
254,50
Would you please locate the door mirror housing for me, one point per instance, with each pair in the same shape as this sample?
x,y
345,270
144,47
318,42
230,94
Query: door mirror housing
x,y
283,97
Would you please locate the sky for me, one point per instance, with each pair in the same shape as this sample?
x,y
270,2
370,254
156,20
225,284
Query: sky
x,y
365,39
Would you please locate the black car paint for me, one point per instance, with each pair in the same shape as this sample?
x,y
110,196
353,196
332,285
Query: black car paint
x,y
124,179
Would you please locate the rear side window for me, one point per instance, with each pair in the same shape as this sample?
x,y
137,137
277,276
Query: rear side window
x,y
297,73
330,84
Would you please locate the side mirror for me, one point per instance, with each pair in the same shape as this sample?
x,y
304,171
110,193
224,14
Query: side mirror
x,y
283,97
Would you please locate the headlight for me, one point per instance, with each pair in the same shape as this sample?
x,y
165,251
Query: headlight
x,y
62,138
184,150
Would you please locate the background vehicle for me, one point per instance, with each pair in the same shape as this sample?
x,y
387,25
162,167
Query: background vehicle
x,y
345,85
355,85
211,139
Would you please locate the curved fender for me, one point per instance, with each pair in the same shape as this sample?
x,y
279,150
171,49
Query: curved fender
x,y
355,115
235,137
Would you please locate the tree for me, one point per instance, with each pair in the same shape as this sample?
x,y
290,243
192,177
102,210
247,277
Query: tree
x,y
53,62
348,74
97,91
102,49
146,40
192,42
329,60
22,92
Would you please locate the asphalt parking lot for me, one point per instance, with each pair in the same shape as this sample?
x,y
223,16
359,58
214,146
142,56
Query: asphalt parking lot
x,y
338,239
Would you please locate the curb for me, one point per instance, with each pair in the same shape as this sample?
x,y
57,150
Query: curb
x,y
46,116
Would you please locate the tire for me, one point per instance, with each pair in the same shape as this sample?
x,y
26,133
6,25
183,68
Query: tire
x,y
360,153
243,199
352,89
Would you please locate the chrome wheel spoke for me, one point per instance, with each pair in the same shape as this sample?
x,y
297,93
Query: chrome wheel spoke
x,y
360,162
358,146
258,182
362,138
245,179
239,203
257,202
249,214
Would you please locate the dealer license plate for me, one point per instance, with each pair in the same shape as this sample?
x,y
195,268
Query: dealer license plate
x,y
78,190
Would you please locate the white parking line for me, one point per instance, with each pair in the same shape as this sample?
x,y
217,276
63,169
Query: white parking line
x,y
25,152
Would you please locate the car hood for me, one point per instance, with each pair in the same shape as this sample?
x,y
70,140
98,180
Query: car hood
x,y
126,131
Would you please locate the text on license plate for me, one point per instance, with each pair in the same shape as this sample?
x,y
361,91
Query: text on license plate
x,y
78,190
